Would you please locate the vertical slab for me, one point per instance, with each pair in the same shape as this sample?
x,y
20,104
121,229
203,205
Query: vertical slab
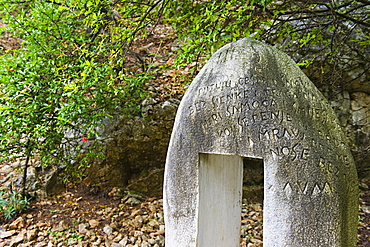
x,y
220,194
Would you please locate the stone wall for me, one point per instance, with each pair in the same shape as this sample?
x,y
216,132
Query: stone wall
x,y
353,111
136,150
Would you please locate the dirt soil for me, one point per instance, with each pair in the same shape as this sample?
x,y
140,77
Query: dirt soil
x,y
60,221
364,215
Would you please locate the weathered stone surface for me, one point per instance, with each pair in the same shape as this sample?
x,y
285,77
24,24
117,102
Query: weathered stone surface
x,y
135,149
41,180
353,111
150,184
252,101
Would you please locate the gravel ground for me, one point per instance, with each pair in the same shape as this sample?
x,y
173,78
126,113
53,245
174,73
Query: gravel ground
x,y
84,218
80,219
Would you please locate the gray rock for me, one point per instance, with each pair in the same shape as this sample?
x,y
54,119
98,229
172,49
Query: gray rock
x,y
366,209
116,245
160,240
251,102
94,223
7,234
138,221
82,228
124,241
31,235
17,224
108,230
38,182
60,227
41,244
132,239
151,241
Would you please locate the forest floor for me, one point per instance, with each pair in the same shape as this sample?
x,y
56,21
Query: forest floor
x,y
364,215
84,217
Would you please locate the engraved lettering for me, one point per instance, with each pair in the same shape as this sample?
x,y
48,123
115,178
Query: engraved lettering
x,y
288,190
302,187
316,190
227,132
277,115
285,151
264,116
305,154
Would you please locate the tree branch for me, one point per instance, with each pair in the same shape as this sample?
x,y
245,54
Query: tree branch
x,y
367,24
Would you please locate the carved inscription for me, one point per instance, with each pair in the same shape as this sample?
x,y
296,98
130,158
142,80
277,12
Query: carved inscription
x,y
241,102
328,166
232,107
304,188
294,152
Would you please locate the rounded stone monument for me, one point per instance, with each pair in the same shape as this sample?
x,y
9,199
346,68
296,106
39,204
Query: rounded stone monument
x,y
250,101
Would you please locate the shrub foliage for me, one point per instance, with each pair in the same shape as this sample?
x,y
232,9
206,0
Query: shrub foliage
x,y
71,71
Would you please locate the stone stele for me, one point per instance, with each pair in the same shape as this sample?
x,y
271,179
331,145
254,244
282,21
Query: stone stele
x,y
250,101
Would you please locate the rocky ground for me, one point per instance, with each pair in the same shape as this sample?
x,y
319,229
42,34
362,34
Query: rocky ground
x,y
364,215
84,217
